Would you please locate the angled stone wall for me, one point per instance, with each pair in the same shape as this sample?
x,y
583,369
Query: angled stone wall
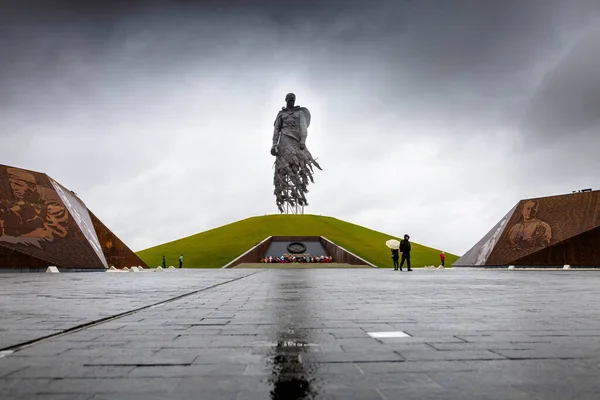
x,y
42,224
545,231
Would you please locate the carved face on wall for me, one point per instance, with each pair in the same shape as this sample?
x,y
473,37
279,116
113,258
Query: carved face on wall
x,y
22,183
529,210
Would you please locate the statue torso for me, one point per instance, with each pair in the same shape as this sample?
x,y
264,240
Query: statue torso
x,y
289,118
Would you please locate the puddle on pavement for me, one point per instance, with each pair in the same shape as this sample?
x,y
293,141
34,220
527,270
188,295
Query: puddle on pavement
x,y
290,379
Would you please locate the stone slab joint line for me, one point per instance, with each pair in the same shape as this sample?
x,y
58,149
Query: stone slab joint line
x,y
18,347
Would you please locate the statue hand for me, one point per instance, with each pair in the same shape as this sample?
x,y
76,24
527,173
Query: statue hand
x,y
302,146
274,150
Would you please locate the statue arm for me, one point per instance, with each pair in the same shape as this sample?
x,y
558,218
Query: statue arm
x,y
277,129
303,128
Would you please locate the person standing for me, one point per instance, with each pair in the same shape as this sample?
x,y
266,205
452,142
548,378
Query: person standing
x,y
442,258
180,261
405,250
164,262
395,258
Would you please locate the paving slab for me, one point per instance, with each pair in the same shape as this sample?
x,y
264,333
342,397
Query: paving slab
x,y
301,334
38,305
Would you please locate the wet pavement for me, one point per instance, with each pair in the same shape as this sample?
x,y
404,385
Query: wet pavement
x,y
301,334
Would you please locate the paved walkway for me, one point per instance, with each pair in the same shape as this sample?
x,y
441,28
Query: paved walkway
x,y
301,334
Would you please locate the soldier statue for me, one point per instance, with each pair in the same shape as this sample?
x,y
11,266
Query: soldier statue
x,y
293,161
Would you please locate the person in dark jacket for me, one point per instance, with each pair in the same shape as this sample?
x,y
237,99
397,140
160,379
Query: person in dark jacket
x,y
395,258
405,250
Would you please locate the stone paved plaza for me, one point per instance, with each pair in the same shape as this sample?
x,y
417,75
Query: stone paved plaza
x,y
301,334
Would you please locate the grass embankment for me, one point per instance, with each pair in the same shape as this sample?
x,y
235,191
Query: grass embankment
x,y
216,247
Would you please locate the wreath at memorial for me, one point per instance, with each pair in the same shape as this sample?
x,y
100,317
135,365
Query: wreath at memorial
x,y
296,247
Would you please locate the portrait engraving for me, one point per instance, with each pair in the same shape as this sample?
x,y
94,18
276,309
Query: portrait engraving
x,y
530,232
31,214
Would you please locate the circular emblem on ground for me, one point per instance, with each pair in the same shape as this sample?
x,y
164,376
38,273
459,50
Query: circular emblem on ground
x,y
296,247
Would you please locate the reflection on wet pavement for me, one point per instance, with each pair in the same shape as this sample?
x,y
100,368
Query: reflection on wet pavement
x,y
291,379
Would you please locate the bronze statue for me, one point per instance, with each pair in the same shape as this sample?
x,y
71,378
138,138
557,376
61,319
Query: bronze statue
x,y
293,162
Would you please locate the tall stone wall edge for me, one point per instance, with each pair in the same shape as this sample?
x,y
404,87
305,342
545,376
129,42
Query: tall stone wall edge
x,y
240,259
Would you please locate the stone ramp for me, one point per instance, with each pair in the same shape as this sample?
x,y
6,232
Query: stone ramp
x,y
299,265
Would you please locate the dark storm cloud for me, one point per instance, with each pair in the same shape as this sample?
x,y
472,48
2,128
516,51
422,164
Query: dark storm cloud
x,y
460,58
447,44
568,100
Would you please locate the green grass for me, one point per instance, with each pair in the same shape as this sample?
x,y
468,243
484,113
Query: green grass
x,y
216,247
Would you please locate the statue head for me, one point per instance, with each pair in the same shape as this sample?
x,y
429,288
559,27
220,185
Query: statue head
x,y
290,99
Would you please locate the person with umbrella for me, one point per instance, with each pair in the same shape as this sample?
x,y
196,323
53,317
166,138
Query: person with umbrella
x,y
394,245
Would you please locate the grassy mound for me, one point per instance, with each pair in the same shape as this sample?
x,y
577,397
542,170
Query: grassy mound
x,y
216,247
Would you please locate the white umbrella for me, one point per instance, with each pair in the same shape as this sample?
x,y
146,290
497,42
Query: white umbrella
x,y
393,244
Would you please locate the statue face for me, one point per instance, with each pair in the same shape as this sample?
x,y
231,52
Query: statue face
x,y
290,97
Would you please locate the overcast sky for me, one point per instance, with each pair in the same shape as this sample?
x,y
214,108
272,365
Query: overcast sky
x,y
431,118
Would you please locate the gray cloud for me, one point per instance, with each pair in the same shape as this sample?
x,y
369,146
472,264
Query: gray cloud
x,y
427,118
568,99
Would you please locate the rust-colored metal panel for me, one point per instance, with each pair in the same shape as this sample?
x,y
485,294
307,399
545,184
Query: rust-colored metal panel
x,y
542,222
580,251
43,223
10,258
35,221
116,252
